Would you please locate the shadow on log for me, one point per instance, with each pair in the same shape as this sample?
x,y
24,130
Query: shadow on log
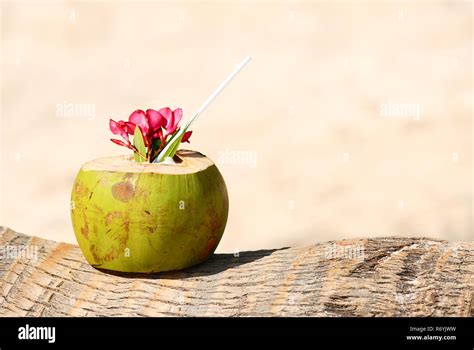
x,y
390,276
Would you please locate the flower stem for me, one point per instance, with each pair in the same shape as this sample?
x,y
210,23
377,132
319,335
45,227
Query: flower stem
x,y
134,149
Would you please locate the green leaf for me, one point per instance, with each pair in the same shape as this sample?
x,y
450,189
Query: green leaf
x,y
171,147
176,143
155,146
139,144
175,148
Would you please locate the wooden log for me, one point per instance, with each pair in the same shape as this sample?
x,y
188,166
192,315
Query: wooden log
x,y
389,276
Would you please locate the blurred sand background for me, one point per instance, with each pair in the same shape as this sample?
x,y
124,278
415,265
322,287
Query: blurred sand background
x,y
328,160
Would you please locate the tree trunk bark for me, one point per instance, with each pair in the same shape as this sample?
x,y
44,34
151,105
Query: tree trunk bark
x,y
389,276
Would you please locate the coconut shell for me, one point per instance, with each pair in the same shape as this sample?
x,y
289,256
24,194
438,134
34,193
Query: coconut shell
x,y
142,217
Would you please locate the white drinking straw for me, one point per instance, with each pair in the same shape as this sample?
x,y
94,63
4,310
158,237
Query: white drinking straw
x,y
204,106
218,90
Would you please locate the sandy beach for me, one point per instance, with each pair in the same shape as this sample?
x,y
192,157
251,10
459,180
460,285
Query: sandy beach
x,y
352,120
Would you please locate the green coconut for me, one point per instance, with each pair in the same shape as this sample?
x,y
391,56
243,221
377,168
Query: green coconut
x,y
142,217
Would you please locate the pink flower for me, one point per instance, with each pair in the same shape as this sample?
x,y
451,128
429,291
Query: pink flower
x,y
186,136
172,119
121,128
153,125
150,124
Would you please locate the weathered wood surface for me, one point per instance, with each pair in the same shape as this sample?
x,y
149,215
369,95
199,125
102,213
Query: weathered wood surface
x,y
394,277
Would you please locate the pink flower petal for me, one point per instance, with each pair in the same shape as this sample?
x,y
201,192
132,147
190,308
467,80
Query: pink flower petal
x,y
170,120
139,118
177,114
119,142
166,113
114,127
130,127
186,136
155,120
118,128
